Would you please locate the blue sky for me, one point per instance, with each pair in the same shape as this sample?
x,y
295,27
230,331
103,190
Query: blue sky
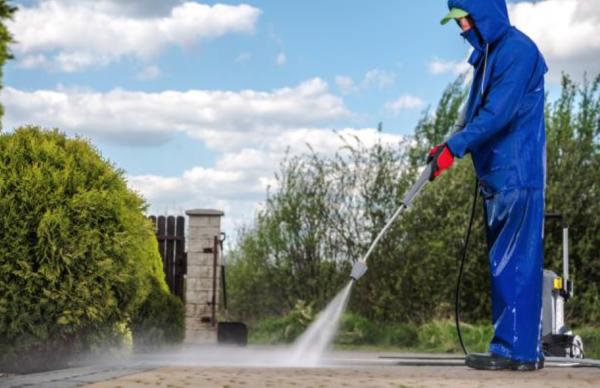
x,y
323,40
195,101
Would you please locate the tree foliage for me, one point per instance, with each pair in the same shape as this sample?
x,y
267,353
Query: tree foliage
x,y
6,13
327,210
573,123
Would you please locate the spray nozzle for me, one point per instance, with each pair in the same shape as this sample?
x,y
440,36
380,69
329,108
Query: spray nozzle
x,y
358,270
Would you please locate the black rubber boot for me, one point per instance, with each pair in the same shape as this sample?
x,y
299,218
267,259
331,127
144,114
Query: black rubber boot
x,y
487,361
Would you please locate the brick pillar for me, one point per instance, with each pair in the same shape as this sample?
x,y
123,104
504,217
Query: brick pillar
x,y
204,225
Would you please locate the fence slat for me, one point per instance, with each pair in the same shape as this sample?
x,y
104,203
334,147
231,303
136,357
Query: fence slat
x,y
179,256
170,233
170,252
160,230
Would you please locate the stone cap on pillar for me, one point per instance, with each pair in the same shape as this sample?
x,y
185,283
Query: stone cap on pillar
x,y
205,212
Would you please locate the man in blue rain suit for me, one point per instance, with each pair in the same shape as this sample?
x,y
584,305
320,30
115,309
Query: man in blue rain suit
x,y
504,132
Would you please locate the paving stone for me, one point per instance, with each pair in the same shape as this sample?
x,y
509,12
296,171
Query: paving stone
x,y
72,377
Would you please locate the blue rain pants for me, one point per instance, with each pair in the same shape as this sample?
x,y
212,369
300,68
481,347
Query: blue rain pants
x,y
514,226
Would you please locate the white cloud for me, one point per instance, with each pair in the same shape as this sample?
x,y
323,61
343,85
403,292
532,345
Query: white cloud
x,y
281,59
326,141
237,183
405,102
33,61
137,8
566,32
345,84
71,61
223,120
73,35
378,78
251,131
438,66
148,73
374,78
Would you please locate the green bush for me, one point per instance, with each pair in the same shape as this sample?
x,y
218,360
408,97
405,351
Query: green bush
x,y
283,329
357,330
591,341
436,336
77,254
269,331
440,336
402,335
159,320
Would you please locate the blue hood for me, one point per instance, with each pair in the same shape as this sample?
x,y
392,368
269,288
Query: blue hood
x,y
490,16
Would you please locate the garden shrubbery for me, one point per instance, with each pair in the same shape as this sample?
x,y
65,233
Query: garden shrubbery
x,y
357,331
78,258
328,208
286,328
436,336
159,320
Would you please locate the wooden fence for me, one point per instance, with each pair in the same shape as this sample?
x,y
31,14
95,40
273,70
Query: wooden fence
x,y
170,233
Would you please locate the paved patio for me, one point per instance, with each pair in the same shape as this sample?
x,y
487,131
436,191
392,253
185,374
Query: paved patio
x,y
266,367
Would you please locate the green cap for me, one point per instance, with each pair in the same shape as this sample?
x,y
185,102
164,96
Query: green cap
x,y
455,13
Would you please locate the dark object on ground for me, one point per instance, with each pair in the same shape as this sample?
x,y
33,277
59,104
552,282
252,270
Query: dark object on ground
x,y
232,333
486,361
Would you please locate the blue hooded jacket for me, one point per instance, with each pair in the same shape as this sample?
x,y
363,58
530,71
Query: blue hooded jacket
x,y
505,130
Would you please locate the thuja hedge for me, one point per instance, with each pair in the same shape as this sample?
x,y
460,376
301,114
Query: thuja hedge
x,y
77,256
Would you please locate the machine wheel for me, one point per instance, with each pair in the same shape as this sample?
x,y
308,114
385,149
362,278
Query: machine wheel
x,y
576,350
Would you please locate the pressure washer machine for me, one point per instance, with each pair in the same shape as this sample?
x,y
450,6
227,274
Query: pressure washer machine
x,y
557,339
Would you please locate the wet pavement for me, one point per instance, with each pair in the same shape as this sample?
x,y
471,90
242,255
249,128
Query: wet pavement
x,y
269,367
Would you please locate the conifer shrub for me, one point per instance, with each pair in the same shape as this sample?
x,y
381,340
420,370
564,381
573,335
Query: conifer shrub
x,y
77,255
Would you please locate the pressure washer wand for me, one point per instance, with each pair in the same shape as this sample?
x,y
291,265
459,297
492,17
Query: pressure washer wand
x,y
360,267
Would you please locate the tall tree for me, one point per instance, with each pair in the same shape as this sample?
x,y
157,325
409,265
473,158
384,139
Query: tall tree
x,y
6,13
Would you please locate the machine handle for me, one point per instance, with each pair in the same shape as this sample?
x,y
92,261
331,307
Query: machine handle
x,y
565,241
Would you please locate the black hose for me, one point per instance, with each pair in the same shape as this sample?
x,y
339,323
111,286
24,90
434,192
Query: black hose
x,y
461,269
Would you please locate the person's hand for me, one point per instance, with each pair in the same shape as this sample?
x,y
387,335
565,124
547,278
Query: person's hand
x,y
441,158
